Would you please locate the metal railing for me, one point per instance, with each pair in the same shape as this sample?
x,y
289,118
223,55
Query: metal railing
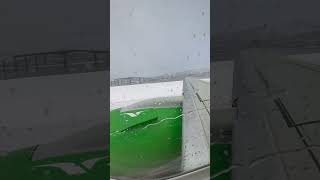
x,y
53,63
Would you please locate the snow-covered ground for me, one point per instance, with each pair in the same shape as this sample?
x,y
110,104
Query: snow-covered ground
x,y
126,95
42,109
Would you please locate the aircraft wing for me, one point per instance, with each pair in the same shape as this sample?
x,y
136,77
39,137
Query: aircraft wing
x,y
276,132
196,124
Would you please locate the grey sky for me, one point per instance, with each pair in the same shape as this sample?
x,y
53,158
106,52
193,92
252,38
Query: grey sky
x,y
283,16
45,25
152,37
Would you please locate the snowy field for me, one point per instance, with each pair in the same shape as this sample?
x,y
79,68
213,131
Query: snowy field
x,y
42,109
126,95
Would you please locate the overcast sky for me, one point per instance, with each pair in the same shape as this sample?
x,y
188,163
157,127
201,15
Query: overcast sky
x,y
281,15
159,31
44,25
153,37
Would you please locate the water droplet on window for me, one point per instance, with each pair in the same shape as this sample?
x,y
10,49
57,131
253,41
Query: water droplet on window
x,y
47,172
226,153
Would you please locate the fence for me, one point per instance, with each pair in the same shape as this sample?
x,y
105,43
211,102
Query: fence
x,y
53,63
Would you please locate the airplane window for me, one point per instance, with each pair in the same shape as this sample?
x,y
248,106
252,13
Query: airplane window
x,y
159,90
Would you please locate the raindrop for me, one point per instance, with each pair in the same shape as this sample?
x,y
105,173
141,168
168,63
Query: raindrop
x,y
140,156
131,12
47,172
202,13
226,153
194,35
